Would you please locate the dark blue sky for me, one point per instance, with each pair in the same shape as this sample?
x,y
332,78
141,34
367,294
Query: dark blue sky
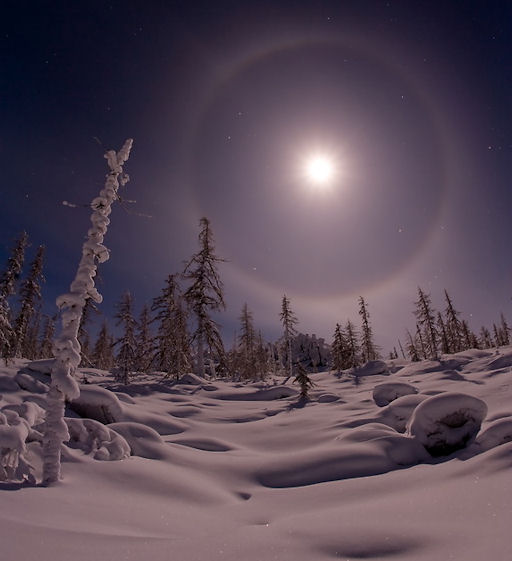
x,y
224,100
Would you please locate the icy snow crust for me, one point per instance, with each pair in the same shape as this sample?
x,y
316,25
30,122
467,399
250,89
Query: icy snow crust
x,y
214,470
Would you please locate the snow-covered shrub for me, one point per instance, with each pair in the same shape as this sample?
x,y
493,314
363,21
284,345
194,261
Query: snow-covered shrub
x,y
384,394
14,431
96,439
447,422
98,403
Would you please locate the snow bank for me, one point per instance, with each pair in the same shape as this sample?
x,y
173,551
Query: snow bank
x,y
30,383
384,394
447,422
14,431
399,411
97,440
269,394
372,368
97,403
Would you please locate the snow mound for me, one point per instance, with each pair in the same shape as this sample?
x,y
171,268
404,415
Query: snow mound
x,y
372,368
447,422
206,444
44,365
269,394
499,432
503,361
384,394
399,411
143,440
30,383
327,398
97,403
191,380
28,410
96,439
7,384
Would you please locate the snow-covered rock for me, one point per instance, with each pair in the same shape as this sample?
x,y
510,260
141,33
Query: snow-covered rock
x,y
96,439
30,383
447,422
384,394
98,403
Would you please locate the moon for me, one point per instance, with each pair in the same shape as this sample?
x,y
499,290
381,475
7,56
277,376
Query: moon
x,y
319,169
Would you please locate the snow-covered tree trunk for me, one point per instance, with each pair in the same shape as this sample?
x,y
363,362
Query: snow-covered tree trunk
x,y
66,347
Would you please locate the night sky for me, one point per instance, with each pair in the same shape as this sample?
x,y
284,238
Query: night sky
x,y
226,101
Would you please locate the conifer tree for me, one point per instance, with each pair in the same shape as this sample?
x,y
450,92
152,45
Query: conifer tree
x,y
83,334
353,349
453,326
368,349
443,333
48,332
204,296
338,350
289,321
172,341
420,344
412,349
31,344
485,338
126,355
30,295
401,349
426,319
304,382
8,281
504,330
103,351
246,344
144,342
469,338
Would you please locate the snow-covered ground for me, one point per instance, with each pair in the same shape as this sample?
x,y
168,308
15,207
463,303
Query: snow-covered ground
x,y
225,471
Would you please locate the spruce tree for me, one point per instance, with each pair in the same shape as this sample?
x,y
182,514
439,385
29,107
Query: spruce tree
x,y
338,349
30,295
445,342
172,353
144,341
412,349
426,319
126,357
8,282
45,347
304,382
204,296
485,338
288,321
368,349
453,326
504,330
84,338
246,346
353,349
103,351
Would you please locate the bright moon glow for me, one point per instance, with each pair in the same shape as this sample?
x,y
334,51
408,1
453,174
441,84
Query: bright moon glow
x,y
319,169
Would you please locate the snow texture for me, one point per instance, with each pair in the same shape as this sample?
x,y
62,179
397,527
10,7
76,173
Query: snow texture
x,y
224,471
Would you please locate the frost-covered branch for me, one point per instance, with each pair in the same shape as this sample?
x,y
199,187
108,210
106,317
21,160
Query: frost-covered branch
x,y
66,347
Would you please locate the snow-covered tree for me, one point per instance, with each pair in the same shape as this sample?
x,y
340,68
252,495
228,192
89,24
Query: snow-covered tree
x,y
204,296
31,345
288,321
66,347
246,346
504,331
30,295
469,338
368,348
412,349
8,281
126,357
172,341
426,319
485,338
